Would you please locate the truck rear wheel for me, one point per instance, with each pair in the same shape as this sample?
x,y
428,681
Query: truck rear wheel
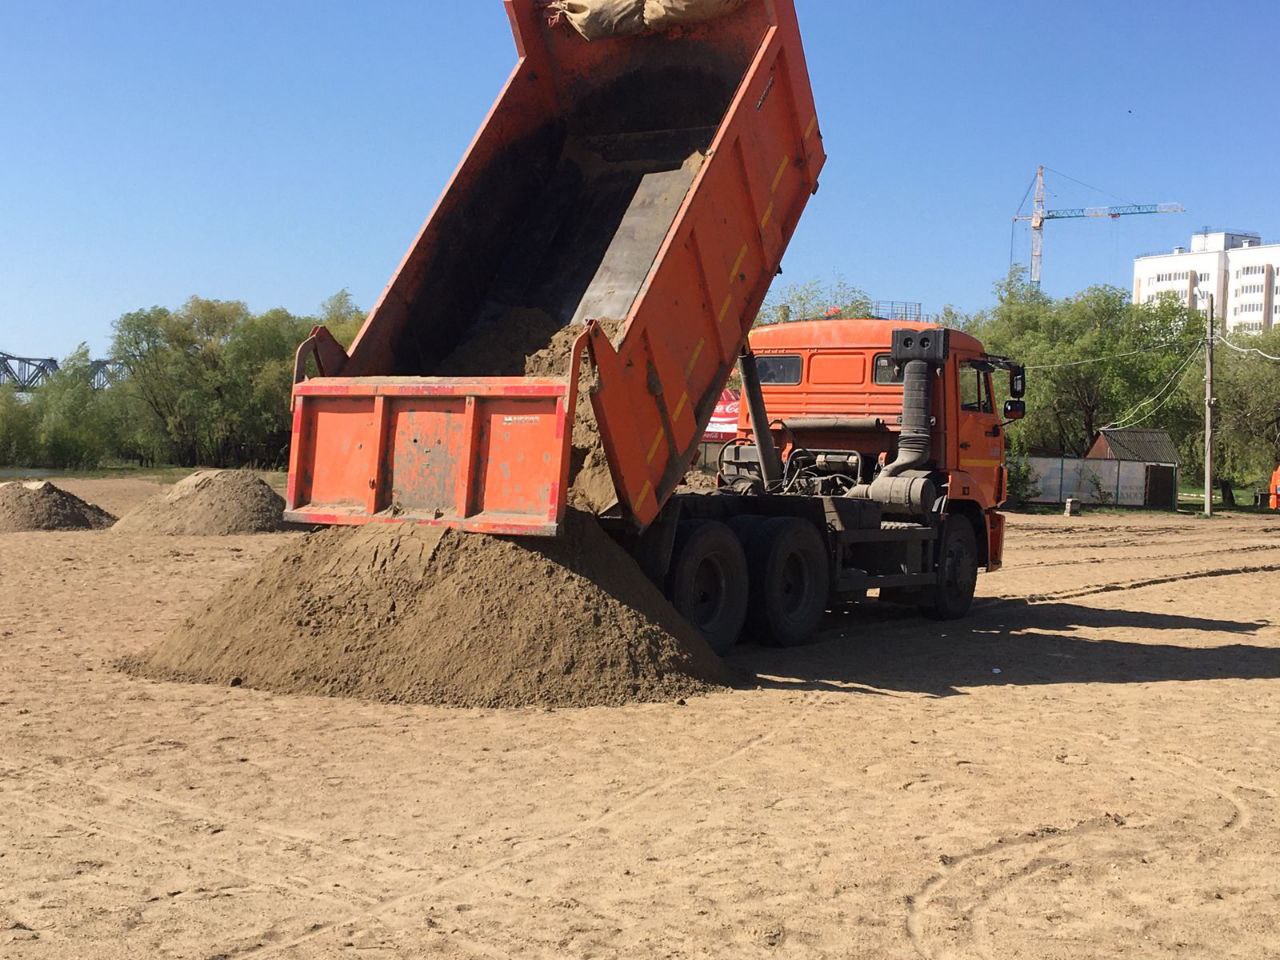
x,y
957,571
790,581
708,580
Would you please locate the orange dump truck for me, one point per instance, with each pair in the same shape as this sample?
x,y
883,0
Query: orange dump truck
x,y
643,189
655,179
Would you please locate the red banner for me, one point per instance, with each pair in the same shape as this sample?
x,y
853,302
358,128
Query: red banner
x,y
724,422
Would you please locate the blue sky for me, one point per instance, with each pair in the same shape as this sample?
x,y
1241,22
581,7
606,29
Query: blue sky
x,y
276,152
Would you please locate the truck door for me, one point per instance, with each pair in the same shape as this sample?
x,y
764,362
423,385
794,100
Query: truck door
x,y
981,434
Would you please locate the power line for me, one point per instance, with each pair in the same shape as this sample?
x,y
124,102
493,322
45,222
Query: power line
x,y
1173,393
1245,350
1163,395
1104,359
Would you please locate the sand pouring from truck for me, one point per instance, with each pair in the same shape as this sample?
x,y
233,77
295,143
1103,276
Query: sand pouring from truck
x,y
636,184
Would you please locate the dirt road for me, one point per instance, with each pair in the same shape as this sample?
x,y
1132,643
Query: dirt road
x,y
1087,768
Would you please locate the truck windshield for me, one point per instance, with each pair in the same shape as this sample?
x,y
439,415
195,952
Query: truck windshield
x,y
784,370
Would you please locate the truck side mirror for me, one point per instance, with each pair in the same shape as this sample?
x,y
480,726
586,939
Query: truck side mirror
x,y
1015,409
1018,382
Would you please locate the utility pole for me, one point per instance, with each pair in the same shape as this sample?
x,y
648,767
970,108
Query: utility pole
x,y
1208,413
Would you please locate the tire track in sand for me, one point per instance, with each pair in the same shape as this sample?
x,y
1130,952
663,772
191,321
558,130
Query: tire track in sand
x,y
1022,858
134,836
1123,585
534,847
1024,852
199,812
1145,559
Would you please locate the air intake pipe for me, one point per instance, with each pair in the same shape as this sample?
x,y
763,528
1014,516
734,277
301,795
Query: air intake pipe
x,y
902,486
916,439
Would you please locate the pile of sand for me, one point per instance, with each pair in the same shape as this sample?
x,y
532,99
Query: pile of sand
x,y
211,503
590,482
695,481
42,506
417,614
530,343
502,344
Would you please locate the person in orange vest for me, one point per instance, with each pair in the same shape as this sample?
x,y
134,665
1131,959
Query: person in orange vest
x,y
1275,490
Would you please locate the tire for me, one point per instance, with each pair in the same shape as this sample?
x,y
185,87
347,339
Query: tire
x,y
952,597
790,581
707,583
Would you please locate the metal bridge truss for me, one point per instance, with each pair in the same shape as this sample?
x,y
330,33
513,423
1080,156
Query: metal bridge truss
x,y
27,373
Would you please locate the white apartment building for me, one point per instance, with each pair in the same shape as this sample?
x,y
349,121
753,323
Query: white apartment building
x,y
1237,268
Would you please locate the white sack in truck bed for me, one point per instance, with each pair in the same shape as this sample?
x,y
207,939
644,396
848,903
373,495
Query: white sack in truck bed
x,y
664,14
601,19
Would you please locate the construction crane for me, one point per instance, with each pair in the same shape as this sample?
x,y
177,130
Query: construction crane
x,y
1039,215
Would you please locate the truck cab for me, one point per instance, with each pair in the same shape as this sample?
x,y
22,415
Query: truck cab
x,y
832,388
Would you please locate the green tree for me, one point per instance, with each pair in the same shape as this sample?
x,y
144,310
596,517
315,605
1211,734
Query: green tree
x,y
1248,409
257,378
19,443
210,380
72,430
341,315
1095,360
814,300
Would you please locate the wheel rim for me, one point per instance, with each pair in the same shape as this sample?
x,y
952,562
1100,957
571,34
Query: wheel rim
x,y
706,600
794,582
960,571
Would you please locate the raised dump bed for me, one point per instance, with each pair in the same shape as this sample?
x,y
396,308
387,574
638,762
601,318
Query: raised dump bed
x,y
653,179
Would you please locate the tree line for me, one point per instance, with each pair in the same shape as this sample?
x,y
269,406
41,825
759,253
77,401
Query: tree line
x,y
208,383
1097,359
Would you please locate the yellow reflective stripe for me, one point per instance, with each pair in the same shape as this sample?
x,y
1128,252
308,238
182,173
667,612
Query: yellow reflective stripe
x,y
777,177
981,463
813,125
697,352
684,402
768,215
728,302
737,264
644,493
653,451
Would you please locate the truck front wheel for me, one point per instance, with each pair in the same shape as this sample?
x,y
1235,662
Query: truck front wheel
x,y
707,583
790,581
957,571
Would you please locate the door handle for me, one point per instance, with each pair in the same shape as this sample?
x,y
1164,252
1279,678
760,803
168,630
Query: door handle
x,y
965,445
993,432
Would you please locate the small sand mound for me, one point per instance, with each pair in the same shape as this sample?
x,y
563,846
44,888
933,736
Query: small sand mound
x,y
42,506
427,615
213,503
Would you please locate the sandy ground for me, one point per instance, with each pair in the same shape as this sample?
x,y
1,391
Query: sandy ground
x,y
1086,768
